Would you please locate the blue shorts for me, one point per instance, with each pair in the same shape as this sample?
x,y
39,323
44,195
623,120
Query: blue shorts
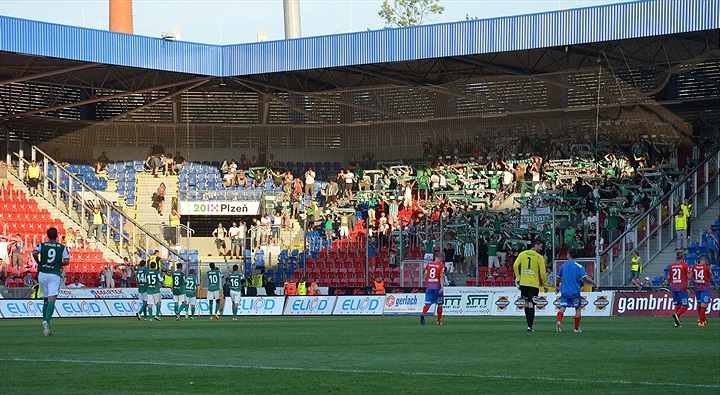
x,y
574,301
702,297
433,296
680,298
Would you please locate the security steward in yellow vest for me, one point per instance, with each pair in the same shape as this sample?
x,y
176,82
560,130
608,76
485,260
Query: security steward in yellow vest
x,y
302,287
167,279
686,208
681,230
259,280
635,266
35,291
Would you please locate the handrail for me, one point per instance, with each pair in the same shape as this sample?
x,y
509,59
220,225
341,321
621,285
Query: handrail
x,y
658,204
109,205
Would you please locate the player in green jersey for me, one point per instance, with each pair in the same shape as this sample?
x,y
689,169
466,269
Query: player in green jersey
x,y
190,293
51,256
141,278
154,278
178,288
236,284
213,295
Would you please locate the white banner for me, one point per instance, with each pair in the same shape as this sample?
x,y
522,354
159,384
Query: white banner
x,y
404,303
547,304
123,308
359,305
512,304
220,208
595,304
81,308
534,215
476,303
309,305
106,293
23,308
256,305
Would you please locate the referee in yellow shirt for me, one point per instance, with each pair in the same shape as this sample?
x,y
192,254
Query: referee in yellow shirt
x,y
530,274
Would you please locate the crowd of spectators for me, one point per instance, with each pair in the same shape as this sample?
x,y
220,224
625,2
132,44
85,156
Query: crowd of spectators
x,y
595,190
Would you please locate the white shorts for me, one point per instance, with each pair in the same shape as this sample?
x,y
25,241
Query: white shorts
x,y
428,257
190,300
153,299
493,261
502,256
449,267
49,284
178,298
344,231
213,295
235,296
142,296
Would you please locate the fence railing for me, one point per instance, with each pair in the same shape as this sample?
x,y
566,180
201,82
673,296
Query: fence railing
x,y
656,237
67,193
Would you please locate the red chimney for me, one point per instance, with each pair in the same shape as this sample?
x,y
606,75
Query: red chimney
x,y
121,16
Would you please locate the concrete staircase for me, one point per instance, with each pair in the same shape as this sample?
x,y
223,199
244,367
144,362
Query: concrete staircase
x,y
69,218
146,215
699,225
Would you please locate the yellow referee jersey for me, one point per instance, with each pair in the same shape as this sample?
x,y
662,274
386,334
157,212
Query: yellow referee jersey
x,y
530,269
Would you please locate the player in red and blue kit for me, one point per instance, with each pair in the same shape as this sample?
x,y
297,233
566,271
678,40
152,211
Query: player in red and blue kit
x,y
570,279
702,273
678,273
434,275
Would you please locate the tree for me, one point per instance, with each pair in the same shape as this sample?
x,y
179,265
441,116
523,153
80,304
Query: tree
x,y
402,13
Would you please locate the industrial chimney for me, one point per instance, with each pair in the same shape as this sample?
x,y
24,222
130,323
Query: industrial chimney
x,y
292,18
121,16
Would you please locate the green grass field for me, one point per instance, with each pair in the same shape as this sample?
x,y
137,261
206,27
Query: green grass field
x,y
363,355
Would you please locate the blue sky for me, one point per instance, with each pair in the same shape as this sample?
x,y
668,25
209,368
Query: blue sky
x,y
237,21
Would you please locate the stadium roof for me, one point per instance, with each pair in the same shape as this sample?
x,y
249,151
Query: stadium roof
x,y
542,30
49,73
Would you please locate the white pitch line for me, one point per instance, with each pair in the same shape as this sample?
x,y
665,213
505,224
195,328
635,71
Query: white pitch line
x,y
358,371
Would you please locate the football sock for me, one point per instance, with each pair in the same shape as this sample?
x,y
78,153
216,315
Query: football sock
x,y
177,309
211,308
439,313
45,305
157,310
217,307
234,312
145,309
193,311
50,311
577,322
425,309
560,316
530,316
701,313
682,310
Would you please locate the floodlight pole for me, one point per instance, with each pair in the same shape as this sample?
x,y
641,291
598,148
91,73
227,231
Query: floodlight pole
x,y
291,11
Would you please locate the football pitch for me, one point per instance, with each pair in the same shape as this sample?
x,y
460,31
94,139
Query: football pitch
x,y
362,355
